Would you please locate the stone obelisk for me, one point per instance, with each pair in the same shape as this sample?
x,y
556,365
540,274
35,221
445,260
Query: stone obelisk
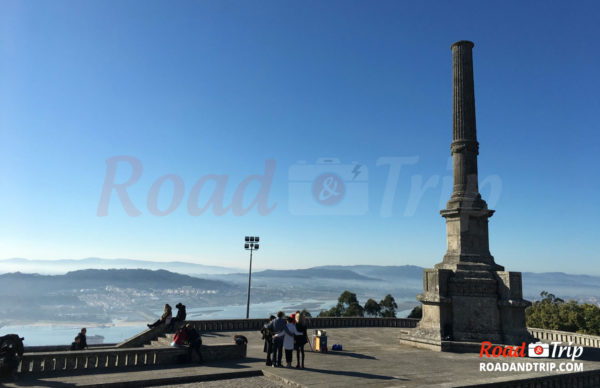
x,y
468,297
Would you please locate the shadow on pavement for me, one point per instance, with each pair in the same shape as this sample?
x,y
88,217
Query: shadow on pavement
x,y
353,355
212,334
36,383
231,364
355,374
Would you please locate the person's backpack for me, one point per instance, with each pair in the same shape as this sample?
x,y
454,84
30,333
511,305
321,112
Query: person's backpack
x,y
240,340
180,337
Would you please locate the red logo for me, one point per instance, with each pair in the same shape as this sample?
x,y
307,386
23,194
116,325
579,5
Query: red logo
x,y
504,351
539,350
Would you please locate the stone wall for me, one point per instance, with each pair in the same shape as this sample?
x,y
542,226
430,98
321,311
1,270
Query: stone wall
x,y
544,335
314,323
60,348
150,335
104,359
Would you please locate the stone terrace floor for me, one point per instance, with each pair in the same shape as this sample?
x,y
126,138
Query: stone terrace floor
x,y
372,357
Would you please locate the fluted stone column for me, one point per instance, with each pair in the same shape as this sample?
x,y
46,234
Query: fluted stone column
x,y
466,213
468,297
464,132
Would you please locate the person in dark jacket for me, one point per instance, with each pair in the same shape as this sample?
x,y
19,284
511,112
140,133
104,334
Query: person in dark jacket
x,y
300,340
194,339
278,328
80,341
267,335
180,317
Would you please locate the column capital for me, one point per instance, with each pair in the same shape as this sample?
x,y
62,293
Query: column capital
x,y
467,43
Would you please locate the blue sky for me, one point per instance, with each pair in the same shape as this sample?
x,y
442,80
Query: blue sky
x,y
220,87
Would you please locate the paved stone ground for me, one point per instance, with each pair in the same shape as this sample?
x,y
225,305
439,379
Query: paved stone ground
x,y
372,357
247,382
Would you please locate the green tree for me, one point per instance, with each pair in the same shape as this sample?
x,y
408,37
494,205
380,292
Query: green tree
x,y
354,310
372,308
591,316
347,306
305,313
388,306
332,312
416,312
554,313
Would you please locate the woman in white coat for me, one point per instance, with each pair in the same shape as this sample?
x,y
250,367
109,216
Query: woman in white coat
x,y
288,341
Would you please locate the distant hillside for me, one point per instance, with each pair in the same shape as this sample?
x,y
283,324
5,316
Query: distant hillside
x,y
314,273
380,271
56,267
561,278
405,280
19,283
409,278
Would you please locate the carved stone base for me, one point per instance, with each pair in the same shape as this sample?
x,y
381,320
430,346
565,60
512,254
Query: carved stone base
x,y
471,306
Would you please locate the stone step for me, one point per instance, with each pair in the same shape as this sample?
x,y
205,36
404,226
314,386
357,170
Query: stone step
x,y
162,341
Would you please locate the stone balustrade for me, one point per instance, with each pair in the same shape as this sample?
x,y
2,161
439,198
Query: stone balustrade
x,y
314,323
103,359
150,335
586,340
60,348
67,361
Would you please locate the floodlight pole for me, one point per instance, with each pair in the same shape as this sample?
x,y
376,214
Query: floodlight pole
x,y
249,280
251,243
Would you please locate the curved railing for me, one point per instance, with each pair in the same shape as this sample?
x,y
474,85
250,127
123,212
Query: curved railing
x,y
150,335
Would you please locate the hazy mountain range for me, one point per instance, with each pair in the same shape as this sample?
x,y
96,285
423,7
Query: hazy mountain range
x,y
314,273
404,280
56,267
102,295
27,284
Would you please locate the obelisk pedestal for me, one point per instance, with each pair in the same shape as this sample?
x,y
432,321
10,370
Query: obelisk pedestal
x,y
468,297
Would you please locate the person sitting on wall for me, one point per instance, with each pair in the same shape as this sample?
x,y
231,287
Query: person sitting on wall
x,y
165,318
11,353
194,340
180,317
80,342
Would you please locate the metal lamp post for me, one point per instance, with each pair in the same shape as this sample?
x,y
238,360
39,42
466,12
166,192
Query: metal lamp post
x,y
251,244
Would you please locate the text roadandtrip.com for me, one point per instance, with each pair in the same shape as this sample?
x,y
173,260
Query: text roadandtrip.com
x,y
536,350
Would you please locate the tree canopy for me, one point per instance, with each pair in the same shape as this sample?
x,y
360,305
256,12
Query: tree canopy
x,y
554,313
416,312
348,306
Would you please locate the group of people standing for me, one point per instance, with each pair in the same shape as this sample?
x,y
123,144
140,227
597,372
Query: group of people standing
x,y
285,333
